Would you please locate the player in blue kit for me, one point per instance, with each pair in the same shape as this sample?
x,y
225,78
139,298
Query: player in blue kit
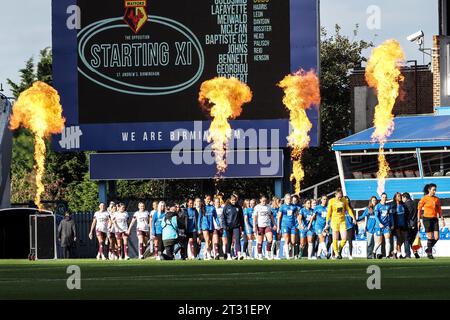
x,y
350,232
248,221
287,215
400,217
296,250
385,223
306,227
319,225
206,224
191,229
275,205
371,223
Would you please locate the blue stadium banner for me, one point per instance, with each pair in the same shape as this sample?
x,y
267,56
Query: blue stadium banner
x,y
129,72
184,165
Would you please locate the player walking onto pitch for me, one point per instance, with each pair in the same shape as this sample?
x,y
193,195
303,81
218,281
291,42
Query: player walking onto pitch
x,y
371,223
275,251
384,226
249,231
112,241
319,226
219,232
100,223
400,225
142,217
306,227
191,230
428,212
233,218
287,215
157,229
336,219
154,241
206,225
262,224
120,221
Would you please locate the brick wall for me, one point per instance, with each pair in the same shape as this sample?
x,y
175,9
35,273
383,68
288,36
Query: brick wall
x,y
435,68
406,103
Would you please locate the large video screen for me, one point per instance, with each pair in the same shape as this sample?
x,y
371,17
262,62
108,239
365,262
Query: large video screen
x,y
137,65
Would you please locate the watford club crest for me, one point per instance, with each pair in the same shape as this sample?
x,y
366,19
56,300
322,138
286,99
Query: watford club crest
x,y
135,14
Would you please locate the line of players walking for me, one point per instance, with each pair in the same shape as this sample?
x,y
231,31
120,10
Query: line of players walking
x,y
315,229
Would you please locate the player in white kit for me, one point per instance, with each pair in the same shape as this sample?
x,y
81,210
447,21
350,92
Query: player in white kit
x,y
263,221
100,223
120,221
142,217
112,241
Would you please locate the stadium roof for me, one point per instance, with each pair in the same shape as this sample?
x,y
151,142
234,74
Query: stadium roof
x,y
409,132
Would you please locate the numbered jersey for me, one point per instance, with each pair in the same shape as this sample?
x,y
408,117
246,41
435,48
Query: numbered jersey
x,y
382,212
264,215
321,216
142,220
218,223
288,214
102,221
121,219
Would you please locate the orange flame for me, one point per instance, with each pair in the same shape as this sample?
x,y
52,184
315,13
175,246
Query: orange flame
x,y
383,73
301,91
39,110
222,98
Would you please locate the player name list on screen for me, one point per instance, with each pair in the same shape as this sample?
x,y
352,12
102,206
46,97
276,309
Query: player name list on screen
x,y
240,30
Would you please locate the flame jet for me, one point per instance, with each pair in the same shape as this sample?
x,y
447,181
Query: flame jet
x,y
222,98
38,109
301,91
383,73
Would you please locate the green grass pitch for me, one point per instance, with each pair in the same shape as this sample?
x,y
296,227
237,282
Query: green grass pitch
x,y
299,279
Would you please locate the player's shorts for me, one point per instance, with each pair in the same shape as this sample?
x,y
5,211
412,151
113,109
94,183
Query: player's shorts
x,y
263,230
274,233
191,235
431,224
100,234
210,229
306,233
338,225
120,235
288,230
218,232
382,231
319,230
401,228
142,233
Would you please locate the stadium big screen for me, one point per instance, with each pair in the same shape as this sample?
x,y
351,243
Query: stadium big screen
x,y
136,66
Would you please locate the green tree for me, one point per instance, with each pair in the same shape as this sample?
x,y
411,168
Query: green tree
x,y
27,77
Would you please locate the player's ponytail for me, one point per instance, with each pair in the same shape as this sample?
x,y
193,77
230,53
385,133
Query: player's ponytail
x,y
425,189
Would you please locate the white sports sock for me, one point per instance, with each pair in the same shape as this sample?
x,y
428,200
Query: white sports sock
x,y
388,248
250,248
322,248
286,250
310,250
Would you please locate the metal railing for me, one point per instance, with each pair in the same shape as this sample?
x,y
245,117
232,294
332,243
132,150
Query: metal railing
x,y
315,187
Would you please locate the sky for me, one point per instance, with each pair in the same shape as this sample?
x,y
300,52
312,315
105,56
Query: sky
x,y
25,37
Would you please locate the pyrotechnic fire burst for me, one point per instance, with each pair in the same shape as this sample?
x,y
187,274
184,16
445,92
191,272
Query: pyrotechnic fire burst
x,y
222,98
383,73
301,91
39,110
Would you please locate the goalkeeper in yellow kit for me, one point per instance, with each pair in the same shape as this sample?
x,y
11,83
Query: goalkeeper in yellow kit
x,y
336,213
